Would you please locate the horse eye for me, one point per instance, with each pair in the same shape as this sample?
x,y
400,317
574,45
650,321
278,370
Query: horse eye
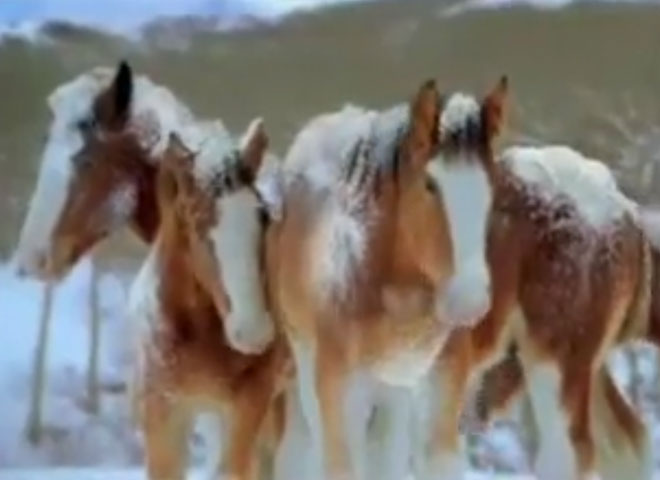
x,y
431,186
87,125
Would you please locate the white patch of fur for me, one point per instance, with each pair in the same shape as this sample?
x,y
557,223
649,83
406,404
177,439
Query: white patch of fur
x,y
319,156
390,440
236,239
560,170
339,244
616,456
467,197
433,404
305,359
212,146
120,206
556,457
457,112
48,199
358,403
289,463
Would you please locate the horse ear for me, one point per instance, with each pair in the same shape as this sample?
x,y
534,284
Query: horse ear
x,y
494,106
253,146
424,114
176,149
173,172
112,107
122,89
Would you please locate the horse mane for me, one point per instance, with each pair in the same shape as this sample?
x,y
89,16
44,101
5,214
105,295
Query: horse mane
x,y
155,111
321,151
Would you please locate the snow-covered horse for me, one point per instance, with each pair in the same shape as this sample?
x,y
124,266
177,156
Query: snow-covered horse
x,y
205,259
571,272
380,255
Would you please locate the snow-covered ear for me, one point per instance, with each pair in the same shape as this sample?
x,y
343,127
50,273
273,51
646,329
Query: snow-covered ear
x,y
270,186
253,146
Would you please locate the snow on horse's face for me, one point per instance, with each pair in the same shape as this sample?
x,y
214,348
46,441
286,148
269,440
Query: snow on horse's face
x,y
107,132
211,187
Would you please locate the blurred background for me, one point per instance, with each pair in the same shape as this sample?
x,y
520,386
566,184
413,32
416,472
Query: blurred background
x,y
583,73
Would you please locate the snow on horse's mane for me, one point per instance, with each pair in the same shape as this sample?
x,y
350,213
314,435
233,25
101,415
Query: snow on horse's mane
x,y
561,171
319,153
155,110
155,113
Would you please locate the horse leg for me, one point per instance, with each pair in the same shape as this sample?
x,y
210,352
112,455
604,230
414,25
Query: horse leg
x,y
623,446
443,453
560,404
389,435
249,409
305,358
359,403
500,386
165,424
334,394
271,437
289,463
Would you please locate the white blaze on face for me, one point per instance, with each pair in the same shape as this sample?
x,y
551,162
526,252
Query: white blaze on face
x,y
236,240
49,197
467,196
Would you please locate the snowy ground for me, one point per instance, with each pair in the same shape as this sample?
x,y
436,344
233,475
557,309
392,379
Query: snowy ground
x,y
107,441
94,474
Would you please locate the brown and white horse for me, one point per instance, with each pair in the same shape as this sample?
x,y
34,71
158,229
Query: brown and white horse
x,y
380,253
570,268
208,242
107,136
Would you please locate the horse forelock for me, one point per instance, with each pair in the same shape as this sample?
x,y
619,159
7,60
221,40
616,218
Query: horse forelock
x,y
460,121
215,152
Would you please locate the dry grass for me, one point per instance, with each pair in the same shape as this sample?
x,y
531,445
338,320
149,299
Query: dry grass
x,y
588,76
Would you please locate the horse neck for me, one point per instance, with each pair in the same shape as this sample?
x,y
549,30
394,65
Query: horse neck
x,y
146,216
179,288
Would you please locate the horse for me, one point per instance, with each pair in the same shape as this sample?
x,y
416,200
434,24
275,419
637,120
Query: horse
x,y
380,253
570,266
210,236
504,384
